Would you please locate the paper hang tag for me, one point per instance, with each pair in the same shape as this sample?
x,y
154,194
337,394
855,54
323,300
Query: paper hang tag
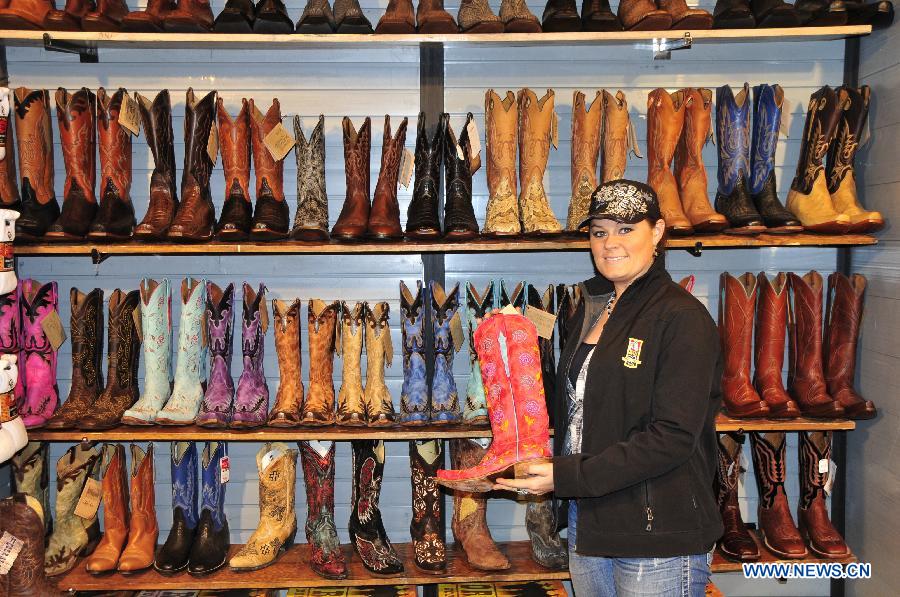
x,y
543,321
10,546
823,466
554,130
268,458
52,326
832,474
212,143
474,139
279,142
224,469
456,331
784,123
136,318
407,166
388,345
90,499
510,310
129,117
633,142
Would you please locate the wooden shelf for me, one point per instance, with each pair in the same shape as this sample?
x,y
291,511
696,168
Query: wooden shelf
x,y
726,423
481,245
721,563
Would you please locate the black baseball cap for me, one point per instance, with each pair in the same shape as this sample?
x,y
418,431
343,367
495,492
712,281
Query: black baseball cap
x,y
623,201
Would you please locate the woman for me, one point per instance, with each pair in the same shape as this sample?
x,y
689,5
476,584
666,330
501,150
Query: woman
x,y
636,398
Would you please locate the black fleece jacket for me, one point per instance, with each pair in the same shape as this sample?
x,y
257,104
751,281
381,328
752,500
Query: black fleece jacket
x,y
644,476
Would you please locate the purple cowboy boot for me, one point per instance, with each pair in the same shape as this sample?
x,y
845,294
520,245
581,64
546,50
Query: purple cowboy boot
x,y
38,359
10,326
251,407
218,401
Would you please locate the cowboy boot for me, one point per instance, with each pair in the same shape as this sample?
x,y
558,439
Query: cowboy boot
x,y
190,368
843,316
422,219
22,517
9,190
318,409
560,16
665,122
643,15
156,324
116,513
251,403
37,364
516,298
86,329
459,215
156,121
477,306
689,169
733,14
733,135
190,16
317,17
517,18
821,13
272,17
272,216
444,397
768,349
354,218
415,402
289,397
76,114
31,476
774,13
326,557
234,144
349,17
143,529
686,18
814,455
806,377
535,120
476,16
115,217
68,19
73,536
218,400
618,137
776,525
425,457
311,218
510,367
107,17
34,142
210,549
547,304
123,357
367,533
840,170
737,300
277,466
586,122
398,18
547,548
736,542
238,16
174,555
25,14
351,408
567,301
878,14
379,406
150,20
596,15
768,101
501,122
809,198
384,215
432,18
195,219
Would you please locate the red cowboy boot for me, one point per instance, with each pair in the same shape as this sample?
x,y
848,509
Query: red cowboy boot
x,y
771,329
737,299
511,371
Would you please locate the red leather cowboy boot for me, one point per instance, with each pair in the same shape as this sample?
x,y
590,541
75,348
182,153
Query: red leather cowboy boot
x,y
354,218
771,330
737,299
774,513
814,454
511,371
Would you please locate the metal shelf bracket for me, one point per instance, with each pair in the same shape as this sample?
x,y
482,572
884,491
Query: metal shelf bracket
x,y
662,48
87,54
696,250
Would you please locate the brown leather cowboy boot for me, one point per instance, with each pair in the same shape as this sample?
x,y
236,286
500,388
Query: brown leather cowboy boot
x,y
643,15
143,529
501,122
234,144
156,120
398,18
585,151
771,330
34,143
115,217
150,20
78,137
191,16
384,216
618,137
23,517
116,513
425,458
535,118
318,409
289,397
774,514
737,300
354,218
271,219
814,454
68,19
684,17
665,121
107,17
736,542
25,14
351,409
432,18
9,190
196,215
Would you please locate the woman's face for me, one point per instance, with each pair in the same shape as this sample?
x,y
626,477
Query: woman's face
x,y
622,252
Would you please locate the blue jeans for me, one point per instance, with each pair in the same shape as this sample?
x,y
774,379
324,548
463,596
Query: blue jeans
x,y
592,576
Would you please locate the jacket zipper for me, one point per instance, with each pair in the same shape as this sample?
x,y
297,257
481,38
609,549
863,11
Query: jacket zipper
x,y
649,509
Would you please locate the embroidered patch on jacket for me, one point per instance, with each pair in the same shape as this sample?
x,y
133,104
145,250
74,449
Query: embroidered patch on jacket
x,y
632,356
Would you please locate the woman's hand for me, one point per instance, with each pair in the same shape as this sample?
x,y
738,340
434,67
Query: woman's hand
x,y
539,481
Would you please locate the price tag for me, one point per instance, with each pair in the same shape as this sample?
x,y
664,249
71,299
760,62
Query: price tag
x,y
823,466
388,345
456,331
224,469
510,310
543,321
212,143
279,142
53,327
784,123
554,130
407,166
268,457
832,474
90,499
10,546
474,139
136,318
129,117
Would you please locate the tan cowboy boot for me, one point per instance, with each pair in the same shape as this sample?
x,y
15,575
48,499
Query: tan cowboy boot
x,y
351,410
379,406
665,121
618,137
501,121
319,406
535,121
585,151
289,398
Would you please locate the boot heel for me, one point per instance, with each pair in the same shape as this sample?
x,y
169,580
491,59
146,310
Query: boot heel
x,y
289,542
93,533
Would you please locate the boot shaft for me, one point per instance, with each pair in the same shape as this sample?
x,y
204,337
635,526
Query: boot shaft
x,y
696,131
277,466
768,102
730,448
31,475
665,122
737,302
567,301
252,332
123,353
385,211
234,144
191,364
501,118
184,481
535,118
733,137
115,146
287,339
516,297
269,171
771,329
586,122
842,150
116,511
813,455
199,116
378,342
37,302
443,308
357,151
312,198
458,211
824,113
412,310
805,326
769,466
843,316
321,318
34,138
318,472
617,136
477,306
429,153
9,189
23,517
156,325
368,469
77,114
156,121
212,495
79,463
143,496
220,323
86,330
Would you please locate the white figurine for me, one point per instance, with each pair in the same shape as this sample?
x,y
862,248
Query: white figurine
x,y
13,435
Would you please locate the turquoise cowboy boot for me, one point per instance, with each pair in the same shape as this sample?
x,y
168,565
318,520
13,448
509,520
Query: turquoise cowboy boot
x,y
444,397
190,371
477,305
156,325
414,402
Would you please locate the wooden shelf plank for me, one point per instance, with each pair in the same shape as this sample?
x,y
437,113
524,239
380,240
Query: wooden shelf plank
x,y
721,563
726,423
482,245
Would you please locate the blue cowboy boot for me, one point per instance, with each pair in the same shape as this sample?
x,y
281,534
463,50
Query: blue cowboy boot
x,y
733,136
768,101
251,405
415,407
516,297
210,549
156,327
190,371
218,401
444,397
175,553
477,305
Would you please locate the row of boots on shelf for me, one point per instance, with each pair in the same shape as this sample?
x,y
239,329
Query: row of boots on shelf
x,y
820,373
749,14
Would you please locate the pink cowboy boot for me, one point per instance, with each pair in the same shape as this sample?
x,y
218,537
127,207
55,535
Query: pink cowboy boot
x,y
38,360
